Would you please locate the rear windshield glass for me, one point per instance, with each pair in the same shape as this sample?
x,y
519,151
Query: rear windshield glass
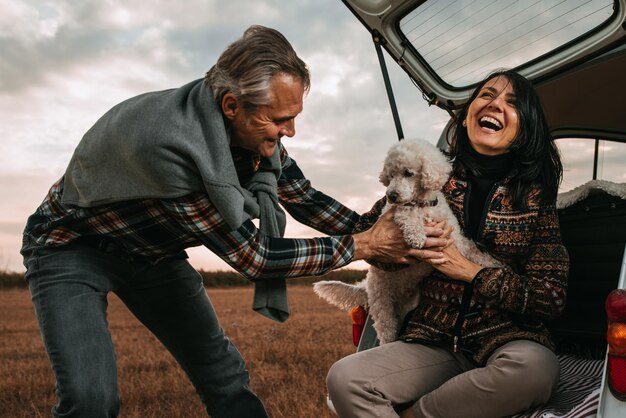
x,y
463,40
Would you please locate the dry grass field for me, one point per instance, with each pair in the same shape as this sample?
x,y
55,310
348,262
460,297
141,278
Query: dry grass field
x,y
287,364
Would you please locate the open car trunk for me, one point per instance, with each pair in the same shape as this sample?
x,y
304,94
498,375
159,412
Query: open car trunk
x,y
575,54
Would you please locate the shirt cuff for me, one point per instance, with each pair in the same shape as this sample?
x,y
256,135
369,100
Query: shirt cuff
x,y
488,282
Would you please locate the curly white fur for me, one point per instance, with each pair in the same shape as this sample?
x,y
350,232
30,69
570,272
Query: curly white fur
x,y
414,172
577,194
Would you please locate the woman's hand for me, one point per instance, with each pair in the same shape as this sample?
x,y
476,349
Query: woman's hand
x,y
454,265
436,241
385,242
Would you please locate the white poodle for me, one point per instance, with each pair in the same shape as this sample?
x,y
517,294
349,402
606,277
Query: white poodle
x,y
414,172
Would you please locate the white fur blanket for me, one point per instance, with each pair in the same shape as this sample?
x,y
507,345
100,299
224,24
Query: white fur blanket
x,y
567,199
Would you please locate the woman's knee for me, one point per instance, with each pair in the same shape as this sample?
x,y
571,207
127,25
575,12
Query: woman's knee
x,y
338,376
533,367
544,368
345,379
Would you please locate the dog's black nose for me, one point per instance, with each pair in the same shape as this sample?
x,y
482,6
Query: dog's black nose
x,y
392,197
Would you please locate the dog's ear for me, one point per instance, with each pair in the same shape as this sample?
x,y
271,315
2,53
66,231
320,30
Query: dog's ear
x,y
435,170
383,177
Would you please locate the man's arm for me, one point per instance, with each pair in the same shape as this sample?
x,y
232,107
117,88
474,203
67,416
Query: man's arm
x,y
254,254
258,256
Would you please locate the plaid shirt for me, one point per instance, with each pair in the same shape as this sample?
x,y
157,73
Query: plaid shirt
x,y
161,228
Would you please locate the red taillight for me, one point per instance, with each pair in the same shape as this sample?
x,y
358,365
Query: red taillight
x,y
358,315
616,338
616,305
617,376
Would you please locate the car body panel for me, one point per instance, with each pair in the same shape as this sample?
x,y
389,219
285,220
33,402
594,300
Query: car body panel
x,y
581,111
599,52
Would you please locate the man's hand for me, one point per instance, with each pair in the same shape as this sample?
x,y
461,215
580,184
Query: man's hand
x,y
385,242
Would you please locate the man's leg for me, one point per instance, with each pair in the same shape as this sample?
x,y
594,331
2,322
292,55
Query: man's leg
x,y
518,375
170,300
69,287
373,382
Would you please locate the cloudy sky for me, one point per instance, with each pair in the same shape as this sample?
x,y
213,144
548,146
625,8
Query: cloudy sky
x,y
66,62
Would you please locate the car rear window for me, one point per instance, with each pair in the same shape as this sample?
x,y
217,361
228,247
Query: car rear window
x,y
578,162
462,44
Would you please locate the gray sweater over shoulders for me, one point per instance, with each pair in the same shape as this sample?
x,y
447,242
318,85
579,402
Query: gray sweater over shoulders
x,y
170,143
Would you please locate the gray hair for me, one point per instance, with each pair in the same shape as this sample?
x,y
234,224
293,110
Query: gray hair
x,y
247,66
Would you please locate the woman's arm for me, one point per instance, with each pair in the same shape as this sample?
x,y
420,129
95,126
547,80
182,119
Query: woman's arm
x,y
539,290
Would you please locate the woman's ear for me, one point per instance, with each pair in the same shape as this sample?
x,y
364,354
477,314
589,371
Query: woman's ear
x,y
230,106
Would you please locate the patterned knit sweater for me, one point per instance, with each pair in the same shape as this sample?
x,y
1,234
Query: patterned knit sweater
x,y
501,304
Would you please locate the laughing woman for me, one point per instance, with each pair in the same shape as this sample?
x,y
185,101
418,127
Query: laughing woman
x,y
476,345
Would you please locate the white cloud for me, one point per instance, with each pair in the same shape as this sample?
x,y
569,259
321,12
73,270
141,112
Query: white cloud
x,y
67,62
47,120
70,62
30,21
113,50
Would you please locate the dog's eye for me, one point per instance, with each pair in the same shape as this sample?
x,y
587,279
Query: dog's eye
x,y
408,173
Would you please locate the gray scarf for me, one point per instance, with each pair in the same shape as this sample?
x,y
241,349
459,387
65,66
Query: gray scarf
x,y
168,144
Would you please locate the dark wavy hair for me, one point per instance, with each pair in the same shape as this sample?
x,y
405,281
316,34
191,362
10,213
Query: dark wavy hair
x,y
534,156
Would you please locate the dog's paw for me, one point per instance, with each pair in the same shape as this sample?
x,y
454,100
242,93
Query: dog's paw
x,y
412,225
415,240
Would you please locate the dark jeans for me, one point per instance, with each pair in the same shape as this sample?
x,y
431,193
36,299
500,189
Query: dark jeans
x,y
69,287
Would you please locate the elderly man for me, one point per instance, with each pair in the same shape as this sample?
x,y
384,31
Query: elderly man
x,y
168,170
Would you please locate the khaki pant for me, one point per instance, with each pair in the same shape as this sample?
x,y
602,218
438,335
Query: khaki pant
x,y
518,375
